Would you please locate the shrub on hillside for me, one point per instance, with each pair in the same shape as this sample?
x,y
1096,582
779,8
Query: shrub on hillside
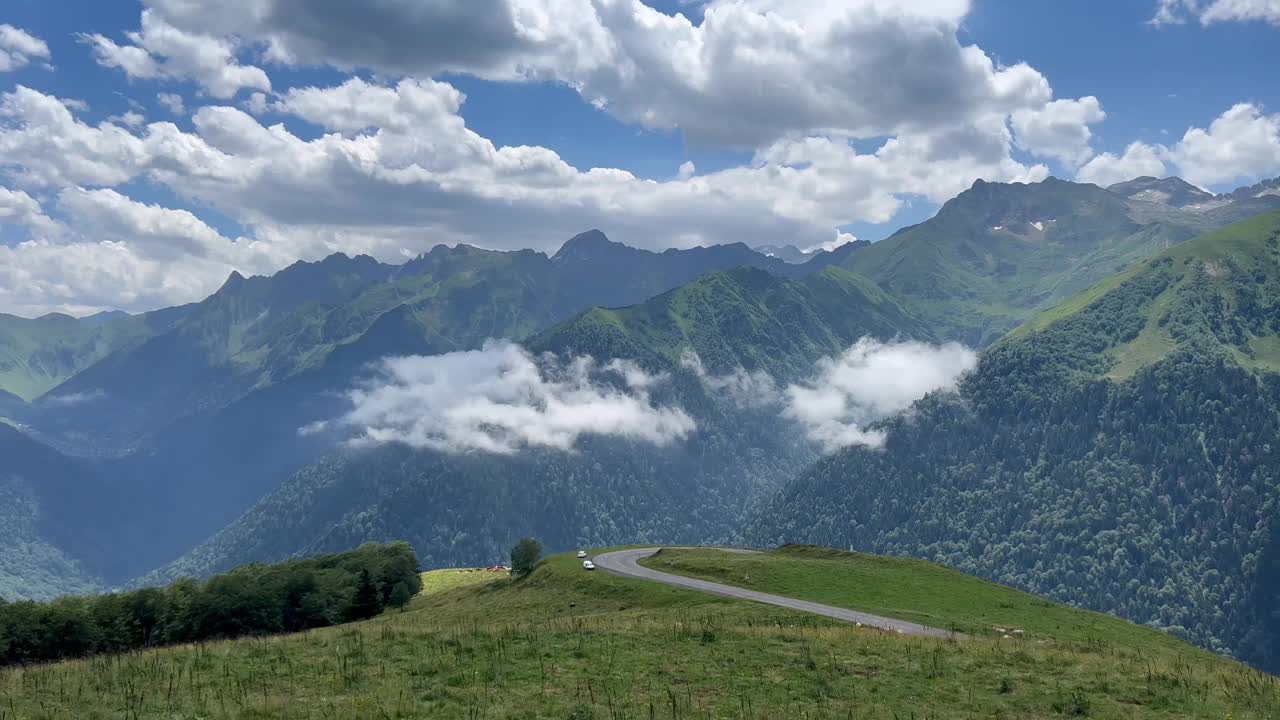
x,y
524,556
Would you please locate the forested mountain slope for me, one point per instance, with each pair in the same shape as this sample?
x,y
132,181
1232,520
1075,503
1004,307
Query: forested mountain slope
x,y
30,566
468,507
1120,453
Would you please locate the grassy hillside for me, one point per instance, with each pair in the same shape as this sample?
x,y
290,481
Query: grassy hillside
x,y
998,253
37,355
569,644
913,590
1118,453
745,318
1221,289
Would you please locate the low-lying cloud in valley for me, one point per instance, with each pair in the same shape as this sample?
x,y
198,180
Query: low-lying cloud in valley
x,y
745,389
501,399
871,381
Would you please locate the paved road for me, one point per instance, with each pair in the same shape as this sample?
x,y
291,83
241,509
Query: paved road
x,y
626,563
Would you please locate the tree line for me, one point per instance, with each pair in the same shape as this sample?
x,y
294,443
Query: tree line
x,y
250,600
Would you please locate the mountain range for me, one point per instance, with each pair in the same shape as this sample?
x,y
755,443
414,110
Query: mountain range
x,y
142,448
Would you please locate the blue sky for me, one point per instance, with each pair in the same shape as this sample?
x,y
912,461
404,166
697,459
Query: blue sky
x,y
1150,79
866,125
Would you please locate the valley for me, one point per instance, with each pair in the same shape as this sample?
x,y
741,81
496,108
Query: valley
x,y
1125,301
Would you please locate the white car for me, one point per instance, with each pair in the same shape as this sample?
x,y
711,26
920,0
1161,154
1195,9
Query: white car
x,y
582,554
588,565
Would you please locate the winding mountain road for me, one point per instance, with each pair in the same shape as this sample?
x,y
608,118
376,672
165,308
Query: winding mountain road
x,y
626,563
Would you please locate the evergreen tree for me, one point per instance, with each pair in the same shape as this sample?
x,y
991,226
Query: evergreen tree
x,y
367,601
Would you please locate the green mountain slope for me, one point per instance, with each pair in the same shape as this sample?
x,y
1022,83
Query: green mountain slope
x,y
742,319
564,643
333,315
249,332
38,355
468,508
998,253
1118,453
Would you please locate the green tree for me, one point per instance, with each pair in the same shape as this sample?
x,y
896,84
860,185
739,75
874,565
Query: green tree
x,y
524,556
366,603
400,595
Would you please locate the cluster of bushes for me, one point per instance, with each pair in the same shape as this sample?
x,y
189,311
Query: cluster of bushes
x,y
251,600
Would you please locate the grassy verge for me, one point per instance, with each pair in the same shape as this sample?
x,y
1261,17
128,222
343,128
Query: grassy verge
x,y
913,590
565,643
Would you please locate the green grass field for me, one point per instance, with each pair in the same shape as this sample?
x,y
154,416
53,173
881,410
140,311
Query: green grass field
x,y
441,581
917,591
569,644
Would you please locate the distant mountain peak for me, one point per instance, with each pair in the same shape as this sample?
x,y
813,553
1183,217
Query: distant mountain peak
x,y
1264,187
786,253
1023,208
234,280
588,245
103,317
1171,191
840,252
329,262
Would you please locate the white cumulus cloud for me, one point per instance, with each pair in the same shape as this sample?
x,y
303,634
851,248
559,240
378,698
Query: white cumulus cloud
x,y
173,102
743,388
160,50
1059,130
1138,160
18,47
501,399
871,381
1242,11
19,208
1176,12
1242,144
865,68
